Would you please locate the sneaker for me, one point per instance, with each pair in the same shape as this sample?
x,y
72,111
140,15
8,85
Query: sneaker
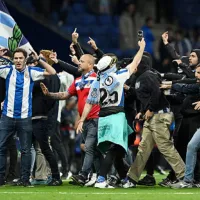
x,y
69,175
128,184
196,184
55,182
101,183
79,179
166,182
147,180
10,178
23,183
182,184
113,181
91,181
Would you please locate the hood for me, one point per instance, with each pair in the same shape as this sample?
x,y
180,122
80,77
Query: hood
x,y
197,51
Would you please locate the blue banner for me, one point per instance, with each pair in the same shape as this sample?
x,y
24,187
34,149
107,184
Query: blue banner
x,y
11,36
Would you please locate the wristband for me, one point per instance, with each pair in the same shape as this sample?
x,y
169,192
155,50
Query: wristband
x,y
38,59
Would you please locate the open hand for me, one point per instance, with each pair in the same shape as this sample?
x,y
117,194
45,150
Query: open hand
x,y
197,107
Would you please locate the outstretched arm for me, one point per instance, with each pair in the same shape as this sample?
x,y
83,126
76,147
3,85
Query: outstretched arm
x,y
133,65
58,95
49,69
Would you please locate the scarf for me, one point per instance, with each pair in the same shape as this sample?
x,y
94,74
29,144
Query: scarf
x,y
110,81
83,79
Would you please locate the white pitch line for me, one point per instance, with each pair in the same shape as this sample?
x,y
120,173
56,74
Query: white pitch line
x,y
105,193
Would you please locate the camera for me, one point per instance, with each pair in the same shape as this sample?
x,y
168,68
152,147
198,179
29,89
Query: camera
x,y
140,35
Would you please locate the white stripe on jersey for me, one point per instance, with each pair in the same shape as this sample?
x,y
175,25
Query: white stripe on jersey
x,y
25,98
11,94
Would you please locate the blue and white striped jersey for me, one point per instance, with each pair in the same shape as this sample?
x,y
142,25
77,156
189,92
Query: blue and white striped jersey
x,y
117,96
19,86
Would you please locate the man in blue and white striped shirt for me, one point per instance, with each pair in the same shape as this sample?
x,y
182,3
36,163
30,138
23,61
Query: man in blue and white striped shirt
x,y
17,109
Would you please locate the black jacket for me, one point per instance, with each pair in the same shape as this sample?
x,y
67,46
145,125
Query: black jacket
x,y
187,70
44,106
148,92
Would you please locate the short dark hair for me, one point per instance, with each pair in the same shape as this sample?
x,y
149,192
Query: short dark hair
x,y
148,19
20,50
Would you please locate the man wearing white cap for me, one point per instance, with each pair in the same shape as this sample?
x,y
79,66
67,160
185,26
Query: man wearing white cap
x,y
113,129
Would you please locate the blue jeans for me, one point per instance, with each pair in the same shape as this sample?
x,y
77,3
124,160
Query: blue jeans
x,y
23,127
191,156
92,155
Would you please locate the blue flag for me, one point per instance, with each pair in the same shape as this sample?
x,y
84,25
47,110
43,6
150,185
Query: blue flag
x,y
11,36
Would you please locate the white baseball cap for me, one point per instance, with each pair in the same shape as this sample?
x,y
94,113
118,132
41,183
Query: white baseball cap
x,y
104,63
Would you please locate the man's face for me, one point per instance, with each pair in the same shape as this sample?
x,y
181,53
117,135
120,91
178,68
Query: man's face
x,y
197,74
84,64
19,61
193,59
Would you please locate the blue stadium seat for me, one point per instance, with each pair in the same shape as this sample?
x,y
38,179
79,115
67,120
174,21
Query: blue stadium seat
x,y
99,30
84,30
68,29
28,5
79,8
104,19
115,42
129,53
116,51
54,17
116,21
74,20
88,19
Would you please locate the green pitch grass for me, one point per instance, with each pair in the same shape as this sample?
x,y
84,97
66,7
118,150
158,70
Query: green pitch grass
x,y
67,191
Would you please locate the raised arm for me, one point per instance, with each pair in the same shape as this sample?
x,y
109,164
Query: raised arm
x,y
97,51
57,95
78,50
71,69
133,65
172,52
49,69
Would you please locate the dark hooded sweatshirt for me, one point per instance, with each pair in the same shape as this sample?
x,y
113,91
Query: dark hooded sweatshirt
x,y
148,89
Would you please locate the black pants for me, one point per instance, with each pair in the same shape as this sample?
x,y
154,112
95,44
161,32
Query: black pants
x,y
114,156
12,151
40,134
59,149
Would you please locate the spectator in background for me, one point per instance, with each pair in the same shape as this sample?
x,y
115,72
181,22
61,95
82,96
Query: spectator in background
x,y
104,7
148,35
42,7
181,44
196,38
128,27
61,7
